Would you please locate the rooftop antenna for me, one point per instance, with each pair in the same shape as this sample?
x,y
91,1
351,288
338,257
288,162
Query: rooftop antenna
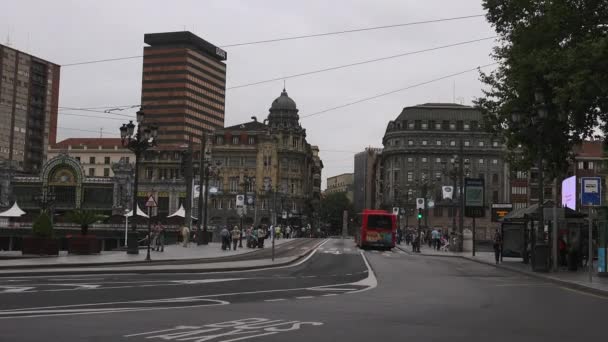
x,y
8,37
454,92
101,132
284,85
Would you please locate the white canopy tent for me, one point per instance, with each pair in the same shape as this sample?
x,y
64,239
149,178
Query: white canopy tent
x,y
129,214
181,212
14,211
139,213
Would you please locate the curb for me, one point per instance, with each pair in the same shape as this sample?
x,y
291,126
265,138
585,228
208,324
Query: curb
x,y
540,276
164,271
133,263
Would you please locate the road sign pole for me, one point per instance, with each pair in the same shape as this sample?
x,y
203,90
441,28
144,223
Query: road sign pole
x,y
473,235
149,232
590,243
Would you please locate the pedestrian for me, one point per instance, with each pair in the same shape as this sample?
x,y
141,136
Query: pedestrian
x,y
277,232
236,235
224,234
261,236
435,236
155,236
185,236
161,239
288,232
497,246
563,250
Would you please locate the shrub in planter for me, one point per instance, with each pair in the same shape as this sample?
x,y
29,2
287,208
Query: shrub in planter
x,y
42,241
84,243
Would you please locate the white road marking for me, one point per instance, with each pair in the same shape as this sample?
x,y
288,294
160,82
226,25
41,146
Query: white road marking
x,y
328,288
203,281
290,247
371,281
80,286
349,274
305,297
329,295
347,249
275,300
310,276
15,289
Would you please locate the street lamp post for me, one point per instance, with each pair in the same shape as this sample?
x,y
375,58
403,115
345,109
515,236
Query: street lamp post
x,y
206,169
535,125
459,167
247,181
46,200
138,142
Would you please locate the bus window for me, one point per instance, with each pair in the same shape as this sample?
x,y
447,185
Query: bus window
x,y
379,222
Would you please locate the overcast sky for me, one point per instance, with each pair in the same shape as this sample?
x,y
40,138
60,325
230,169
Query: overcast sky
x,y
74,31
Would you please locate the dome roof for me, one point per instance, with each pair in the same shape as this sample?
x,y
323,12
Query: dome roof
x,y
283,102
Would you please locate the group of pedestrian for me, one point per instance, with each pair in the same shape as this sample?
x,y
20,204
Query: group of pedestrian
x,y
230,238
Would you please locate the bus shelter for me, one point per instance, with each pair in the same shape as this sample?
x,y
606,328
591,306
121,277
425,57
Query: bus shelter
x,y
524,237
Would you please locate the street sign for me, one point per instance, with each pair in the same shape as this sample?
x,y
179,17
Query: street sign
x,y
591,191
431,204
474,197
395,211
250,200
284,214
419,203
151,203
500,210
569,193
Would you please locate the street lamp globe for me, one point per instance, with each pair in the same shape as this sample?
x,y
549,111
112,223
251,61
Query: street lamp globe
x,y
130,128
123,131
140,116
154,130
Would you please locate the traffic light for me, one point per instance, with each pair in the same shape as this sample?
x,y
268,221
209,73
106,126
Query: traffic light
x,y
419,213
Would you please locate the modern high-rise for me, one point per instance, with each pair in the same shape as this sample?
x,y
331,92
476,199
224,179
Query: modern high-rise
x,y
29,99
183,86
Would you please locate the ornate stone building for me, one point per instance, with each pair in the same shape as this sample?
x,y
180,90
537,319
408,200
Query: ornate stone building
x,y
420,146
270,162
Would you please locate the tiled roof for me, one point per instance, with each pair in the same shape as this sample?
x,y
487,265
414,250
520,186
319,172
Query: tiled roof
x,y
89,142
440,111
589,149
248,126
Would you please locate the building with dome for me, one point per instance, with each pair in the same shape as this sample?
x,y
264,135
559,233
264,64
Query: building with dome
x,y
267,160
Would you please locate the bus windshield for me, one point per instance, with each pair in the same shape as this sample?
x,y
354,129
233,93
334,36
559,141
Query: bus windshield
x,y
379,222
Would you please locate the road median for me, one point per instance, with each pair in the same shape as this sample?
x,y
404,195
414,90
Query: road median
x,y
183,266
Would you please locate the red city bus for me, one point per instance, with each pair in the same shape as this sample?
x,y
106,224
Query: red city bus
x,y
378,228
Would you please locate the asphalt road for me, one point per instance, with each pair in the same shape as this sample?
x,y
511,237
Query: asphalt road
x,y
332,296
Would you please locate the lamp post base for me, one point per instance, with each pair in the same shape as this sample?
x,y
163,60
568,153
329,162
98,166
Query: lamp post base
x,y
133,243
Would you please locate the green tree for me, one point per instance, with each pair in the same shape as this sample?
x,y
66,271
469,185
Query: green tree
x,y
557,49
84,218
332,209
43,227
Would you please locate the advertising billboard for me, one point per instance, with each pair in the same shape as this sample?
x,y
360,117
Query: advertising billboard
x,y
569,193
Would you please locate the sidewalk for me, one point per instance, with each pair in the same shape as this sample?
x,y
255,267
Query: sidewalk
x,y
171,253
577,280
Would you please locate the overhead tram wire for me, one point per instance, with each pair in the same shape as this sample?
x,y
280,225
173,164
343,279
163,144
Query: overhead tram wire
x,y
315,35
309,72
359,63
394,91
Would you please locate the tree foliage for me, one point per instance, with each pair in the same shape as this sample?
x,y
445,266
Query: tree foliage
x,y
42,226
84,218
332,209
560,49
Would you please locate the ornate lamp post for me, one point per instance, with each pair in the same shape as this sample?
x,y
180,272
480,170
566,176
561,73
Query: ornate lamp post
x,y
208,169
533,123
248,184
138,142
456,171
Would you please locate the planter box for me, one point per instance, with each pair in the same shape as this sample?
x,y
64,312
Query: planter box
x,y
40,246
84,244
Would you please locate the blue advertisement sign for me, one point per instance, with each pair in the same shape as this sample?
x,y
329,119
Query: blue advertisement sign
x,y
601,260
591,191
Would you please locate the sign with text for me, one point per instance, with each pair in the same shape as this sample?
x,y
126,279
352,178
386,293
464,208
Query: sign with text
x,y
474,197
240,201
448,192
500,210
569,193
591,191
